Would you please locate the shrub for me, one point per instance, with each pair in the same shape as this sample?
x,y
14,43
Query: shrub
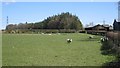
x,y
67,31
82,31
109,47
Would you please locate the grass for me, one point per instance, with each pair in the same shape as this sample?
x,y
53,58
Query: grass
x,y
52,50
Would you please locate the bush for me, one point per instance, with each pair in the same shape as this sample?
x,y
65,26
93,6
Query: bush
x,y
82,31
109,47
67,31
51,31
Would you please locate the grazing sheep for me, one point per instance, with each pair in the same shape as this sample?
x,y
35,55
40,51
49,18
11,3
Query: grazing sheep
x,y
69,40
49,34
104,39
42,33
90,37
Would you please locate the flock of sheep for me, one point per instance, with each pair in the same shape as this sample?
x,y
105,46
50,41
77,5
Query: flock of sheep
x,y
104,38
90,37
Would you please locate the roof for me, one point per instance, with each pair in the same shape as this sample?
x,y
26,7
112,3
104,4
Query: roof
x,y
106,26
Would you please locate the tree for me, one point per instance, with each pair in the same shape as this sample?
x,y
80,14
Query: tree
x,y
63,21
60,21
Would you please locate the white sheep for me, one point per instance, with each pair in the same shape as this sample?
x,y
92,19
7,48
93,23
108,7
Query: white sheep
x,y
104,39
90,37
69,40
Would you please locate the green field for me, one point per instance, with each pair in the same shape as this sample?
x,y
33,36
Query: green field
x,y
52,50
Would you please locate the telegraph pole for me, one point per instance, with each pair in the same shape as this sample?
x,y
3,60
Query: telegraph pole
x,y
7,20
119,11
103,22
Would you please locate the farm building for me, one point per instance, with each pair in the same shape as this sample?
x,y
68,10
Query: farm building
x,y
98,29
116,25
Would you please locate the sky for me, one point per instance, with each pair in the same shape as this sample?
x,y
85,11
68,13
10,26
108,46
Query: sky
x,y
59,0
87,12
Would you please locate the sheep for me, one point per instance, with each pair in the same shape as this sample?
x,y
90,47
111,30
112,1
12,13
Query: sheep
x,y
90,37
42,33
104,39
69,40
49,34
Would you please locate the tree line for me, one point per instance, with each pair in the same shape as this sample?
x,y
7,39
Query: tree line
x,y
60,21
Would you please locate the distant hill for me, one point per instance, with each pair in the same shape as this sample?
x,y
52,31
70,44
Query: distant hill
x,y
60,21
